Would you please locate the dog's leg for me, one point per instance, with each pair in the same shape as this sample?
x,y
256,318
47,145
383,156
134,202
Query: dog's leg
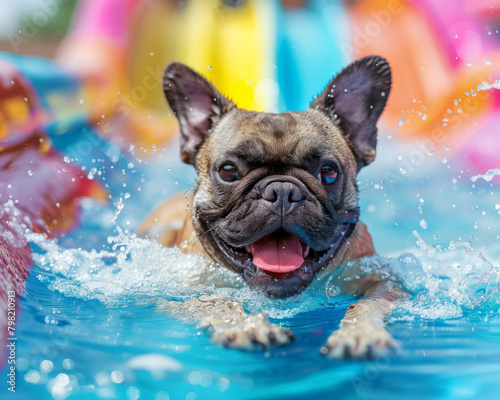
x,y
362,332
228,323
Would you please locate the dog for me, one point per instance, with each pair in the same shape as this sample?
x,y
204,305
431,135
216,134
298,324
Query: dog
x,y
276,201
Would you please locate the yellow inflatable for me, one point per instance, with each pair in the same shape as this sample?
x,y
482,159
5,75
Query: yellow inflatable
x,y
234,46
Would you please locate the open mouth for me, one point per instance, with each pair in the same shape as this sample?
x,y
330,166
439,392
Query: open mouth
x,y
281,255
279,252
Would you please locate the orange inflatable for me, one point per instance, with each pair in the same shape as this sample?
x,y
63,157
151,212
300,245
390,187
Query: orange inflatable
x,y
429,98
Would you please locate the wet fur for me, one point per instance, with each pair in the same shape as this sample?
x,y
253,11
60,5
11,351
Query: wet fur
x,y
340,127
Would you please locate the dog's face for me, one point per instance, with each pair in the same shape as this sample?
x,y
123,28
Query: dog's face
x,y
276,197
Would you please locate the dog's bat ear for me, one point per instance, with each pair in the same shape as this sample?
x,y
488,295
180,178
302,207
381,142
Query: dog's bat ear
x,y
354,100
197,105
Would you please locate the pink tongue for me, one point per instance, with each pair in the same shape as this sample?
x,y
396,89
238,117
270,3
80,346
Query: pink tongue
x,y
278,254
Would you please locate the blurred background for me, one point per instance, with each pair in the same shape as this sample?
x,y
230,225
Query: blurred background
x,y
268,55
82,114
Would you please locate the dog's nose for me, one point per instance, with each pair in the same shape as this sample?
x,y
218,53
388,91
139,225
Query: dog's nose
x,y
282,192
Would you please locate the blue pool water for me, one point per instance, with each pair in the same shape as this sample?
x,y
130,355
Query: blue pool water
x,y
92,325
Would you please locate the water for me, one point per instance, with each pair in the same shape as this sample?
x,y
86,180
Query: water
x,y
488,176
92,323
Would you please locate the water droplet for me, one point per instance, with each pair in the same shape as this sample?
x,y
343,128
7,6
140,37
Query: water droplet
x,y
423,224
32,376
117,376
46,366
30,172
91,173
50,320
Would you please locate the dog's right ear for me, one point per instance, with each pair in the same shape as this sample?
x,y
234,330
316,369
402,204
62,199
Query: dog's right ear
x,y
197,105
354,100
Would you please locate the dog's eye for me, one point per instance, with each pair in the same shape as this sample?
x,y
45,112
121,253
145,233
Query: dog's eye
x,y
328,174
228,173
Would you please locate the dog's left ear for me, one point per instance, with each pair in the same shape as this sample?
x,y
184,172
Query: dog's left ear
x,y
197,105
354,100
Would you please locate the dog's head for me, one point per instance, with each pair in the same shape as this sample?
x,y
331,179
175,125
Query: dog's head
x,y
276,196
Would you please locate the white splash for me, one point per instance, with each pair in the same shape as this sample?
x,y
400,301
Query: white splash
x,y
400,123
135,267
486,86
447,282
142,270
488,176
450,283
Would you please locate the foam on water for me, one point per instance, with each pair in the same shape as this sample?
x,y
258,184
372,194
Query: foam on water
x,y
138,269
457,281
447,282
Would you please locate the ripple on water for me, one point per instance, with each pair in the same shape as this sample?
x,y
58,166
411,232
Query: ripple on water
x,y
446,282
142,269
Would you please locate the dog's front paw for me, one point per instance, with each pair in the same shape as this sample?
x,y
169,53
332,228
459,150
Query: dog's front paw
x,y
253,332
360,342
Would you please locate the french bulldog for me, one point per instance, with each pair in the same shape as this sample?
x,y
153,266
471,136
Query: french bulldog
x,y
276,201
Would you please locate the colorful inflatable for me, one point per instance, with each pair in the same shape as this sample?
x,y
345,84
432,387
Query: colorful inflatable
x,y
434,93
311,44
275,55
266,56
39,187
